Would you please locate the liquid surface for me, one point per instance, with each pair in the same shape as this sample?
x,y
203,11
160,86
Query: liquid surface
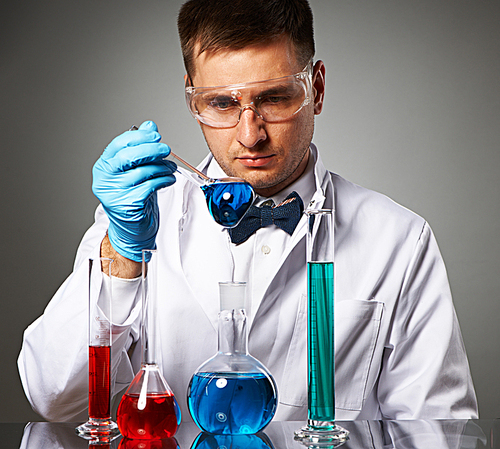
x,y
231,403
228,201
321,342
157,420
99,376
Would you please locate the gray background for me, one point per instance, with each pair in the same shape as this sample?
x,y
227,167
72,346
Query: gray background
x,y
412,110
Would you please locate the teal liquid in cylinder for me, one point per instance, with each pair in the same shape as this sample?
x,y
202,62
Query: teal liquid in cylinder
x,y
321,341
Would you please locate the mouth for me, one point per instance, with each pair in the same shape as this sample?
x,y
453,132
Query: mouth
x,y
255,161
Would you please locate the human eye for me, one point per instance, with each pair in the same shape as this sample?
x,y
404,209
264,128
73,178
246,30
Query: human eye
x,y
275,97
221,102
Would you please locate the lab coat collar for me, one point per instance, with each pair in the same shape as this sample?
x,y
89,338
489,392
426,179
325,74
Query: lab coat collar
x,y
322,198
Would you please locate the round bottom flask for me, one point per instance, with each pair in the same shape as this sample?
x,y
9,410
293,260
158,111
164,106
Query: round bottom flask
x,y
232,392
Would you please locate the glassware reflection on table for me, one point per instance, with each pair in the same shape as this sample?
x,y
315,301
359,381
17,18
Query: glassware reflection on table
x,y
165,443
148,409
228,199
99,427
321,428
252,441
232,392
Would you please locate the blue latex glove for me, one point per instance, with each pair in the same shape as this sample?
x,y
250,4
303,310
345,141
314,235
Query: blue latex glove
x,y
125,180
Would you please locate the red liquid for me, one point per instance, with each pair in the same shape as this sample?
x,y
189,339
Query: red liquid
x,y
99,376
158,420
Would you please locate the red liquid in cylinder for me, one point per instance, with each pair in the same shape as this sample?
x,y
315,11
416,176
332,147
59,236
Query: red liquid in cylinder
x,y
157,420
99,376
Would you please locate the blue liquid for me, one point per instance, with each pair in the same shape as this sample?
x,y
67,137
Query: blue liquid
x,y
228,201
231,403
321,354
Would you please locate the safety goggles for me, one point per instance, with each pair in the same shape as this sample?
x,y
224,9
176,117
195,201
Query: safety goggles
x,y
273,100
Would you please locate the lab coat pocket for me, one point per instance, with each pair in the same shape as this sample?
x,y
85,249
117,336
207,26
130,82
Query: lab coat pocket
x,y
357,326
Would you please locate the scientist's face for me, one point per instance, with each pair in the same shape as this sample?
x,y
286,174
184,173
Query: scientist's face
x,y
270,156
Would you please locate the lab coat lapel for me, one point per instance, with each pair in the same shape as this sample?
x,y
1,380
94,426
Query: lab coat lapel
x,y
322,198
204,252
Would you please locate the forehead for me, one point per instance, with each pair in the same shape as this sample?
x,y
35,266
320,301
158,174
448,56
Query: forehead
x,y
250,64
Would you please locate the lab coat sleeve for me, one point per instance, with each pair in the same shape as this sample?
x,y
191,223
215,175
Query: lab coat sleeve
x,y
425,372
53,363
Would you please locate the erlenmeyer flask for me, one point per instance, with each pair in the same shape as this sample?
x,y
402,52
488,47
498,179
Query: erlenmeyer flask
x,y
232,392
148,409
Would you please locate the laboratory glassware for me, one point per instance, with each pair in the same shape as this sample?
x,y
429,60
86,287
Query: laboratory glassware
x,y
321,426
228,199
232,392
148,410
99,427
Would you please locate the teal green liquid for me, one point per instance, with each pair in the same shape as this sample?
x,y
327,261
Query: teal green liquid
x,y
321,342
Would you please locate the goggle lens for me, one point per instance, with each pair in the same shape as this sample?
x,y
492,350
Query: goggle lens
x,y
272,100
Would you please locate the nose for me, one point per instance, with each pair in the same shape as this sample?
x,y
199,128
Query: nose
x,y
250,128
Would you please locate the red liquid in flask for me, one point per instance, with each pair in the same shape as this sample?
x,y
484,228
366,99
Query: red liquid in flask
x,y
99,376
157,420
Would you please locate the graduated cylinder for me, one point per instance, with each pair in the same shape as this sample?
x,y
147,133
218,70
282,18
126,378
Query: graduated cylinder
x,y
321,343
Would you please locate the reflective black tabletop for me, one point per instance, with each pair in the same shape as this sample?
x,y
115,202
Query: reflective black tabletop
x,y
278,435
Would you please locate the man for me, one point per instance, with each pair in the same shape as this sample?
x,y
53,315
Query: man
x,y
254,90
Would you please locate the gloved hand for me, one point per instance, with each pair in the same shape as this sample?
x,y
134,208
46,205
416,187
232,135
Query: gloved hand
x,y
125,180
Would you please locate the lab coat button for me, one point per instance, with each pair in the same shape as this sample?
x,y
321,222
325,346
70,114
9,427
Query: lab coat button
x,y
265,249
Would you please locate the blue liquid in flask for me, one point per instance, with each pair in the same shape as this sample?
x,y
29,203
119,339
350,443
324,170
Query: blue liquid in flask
x,y
231,403
228,201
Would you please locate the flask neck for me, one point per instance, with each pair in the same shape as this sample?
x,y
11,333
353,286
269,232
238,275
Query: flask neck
x,y
148,318
233,338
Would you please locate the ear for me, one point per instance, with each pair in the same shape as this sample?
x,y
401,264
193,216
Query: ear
x,y
318,83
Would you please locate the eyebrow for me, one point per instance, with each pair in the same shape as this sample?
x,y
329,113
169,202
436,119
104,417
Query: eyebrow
x,y
274,90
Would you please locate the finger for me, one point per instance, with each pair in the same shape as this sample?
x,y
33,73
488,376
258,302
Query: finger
x,y
148,187
149,125
130,139
130,157
141,174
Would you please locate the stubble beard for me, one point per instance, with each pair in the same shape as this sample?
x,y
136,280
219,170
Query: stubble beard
x,y
275,182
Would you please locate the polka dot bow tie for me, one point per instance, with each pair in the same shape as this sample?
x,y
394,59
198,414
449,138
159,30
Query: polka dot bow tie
x,y
285,215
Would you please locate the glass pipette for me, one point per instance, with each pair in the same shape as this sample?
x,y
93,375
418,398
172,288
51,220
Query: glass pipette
x,y
228,199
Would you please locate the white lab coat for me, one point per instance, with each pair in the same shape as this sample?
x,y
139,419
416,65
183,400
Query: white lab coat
x,y
399,351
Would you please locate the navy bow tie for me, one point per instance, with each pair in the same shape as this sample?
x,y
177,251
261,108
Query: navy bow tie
x,y
285,215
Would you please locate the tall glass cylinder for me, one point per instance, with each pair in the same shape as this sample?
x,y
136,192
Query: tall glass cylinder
x,y
321,427
148,409
100,427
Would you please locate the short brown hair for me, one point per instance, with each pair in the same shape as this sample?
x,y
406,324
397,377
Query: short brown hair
x,y
235,24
